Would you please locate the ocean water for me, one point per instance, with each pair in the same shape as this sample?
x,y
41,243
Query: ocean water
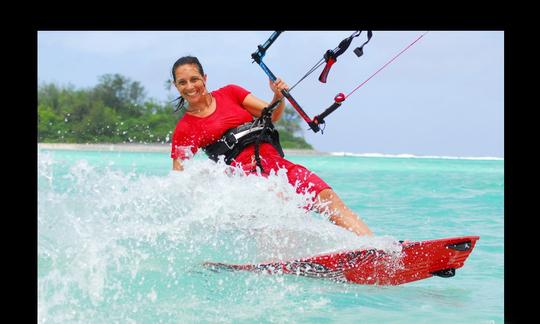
x,y
121,239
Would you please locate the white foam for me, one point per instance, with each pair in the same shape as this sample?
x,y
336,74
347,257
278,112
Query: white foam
x,y
102,230
207,204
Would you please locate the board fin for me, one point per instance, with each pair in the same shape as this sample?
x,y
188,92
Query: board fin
x,y
446,273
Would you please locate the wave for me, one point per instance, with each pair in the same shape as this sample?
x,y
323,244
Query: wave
x,y
412,156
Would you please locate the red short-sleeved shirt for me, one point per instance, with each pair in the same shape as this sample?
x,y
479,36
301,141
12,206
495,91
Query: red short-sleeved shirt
x,y
192,133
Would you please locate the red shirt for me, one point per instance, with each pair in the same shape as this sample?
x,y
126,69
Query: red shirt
x,y
192,132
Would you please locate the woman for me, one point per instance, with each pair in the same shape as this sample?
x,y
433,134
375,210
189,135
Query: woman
x,y
212,115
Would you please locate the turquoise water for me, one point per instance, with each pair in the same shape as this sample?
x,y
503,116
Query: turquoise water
x,y
121,239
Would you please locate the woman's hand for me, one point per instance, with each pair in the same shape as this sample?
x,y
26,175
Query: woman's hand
x,y
277,86
255,105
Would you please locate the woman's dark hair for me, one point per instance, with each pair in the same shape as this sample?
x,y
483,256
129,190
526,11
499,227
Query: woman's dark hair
x,y
183,61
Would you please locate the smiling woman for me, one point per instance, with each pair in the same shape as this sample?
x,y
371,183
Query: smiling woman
x,y
227,116
191,68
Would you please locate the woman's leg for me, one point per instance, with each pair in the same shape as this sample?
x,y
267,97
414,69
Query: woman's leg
x,y
340,214
307,181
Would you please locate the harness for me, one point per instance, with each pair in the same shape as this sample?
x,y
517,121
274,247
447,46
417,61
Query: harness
x,y
235,140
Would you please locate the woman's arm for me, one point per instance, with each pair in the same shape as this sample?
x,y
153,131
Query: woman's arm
x,y
177,165
255,105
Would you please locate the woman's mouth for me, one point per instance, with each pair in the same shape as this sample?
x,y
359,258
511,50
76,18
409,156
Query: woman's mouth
x,y
192,94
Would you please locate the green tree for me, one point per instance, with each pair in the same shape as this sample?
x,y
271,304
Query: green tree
x,y
116,110
47,122
290,130
120,93
290,121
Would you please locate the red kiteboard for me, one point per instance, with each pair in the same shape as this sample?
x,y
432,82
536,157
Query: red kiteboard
x,y
416,261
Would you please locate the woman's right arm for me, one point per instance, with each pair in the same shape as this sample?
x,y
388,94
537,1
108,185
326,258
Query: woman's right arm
x,y
177,165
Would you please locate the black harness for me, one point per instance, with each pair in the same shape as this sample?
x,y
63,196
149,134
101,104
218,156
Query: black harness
x,y
235,140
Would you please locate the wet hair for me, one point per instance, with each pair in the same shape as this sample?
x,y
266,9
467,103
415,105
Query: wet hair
x,y
183,61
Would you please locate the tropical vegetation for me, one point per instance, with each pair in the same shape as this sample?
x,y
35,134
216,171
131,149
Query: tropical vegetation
x,y
117,110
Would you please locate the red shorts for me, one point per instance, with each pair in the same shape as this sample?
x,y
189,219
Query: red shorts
x,y
300,177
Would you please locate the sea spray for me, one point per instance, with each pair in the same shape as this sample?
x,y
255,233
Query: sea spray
x,y
113,244
141,261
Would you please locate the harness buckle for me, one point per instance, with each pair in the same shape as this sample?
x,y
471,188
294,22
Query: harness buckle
x,y
226,141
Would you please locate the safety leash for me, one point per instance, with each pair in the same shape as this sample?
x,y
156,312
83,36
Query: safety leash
x,y
266,120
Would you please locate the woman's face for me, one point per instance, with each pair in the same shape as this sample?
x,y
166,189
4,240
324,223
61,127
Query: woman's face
x,y
190,83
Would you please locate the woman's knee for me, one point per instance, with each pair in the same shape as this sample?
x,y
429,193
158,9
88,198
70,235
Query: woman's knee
x,y
326,194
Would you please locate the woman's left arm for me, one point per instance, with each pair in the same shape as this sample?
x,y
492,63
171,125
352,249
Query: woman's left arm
x,y
255,105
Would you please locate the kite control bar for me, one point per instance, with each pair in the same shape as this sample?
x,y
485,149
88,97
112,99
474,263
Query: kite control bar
x,y
258,57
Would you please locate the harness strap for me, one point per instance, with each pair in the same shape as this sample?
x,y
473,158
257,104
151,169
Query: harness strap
x,y
235,140
266,120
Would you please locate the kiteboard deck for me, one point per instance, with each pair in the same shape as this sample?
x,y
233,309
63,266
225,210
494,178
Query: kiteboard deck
x,y
416,261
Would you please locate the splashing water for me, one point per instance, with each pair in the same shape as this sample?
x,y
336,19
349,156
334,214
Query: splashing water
x,y
117,245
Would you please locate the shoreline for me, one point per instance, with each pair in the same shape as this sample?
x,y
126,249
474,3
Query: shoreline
x,y
165,148
134,147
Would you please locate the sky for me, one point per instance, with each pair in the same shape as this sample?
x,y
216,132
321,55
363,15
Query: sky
x,y
444,96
